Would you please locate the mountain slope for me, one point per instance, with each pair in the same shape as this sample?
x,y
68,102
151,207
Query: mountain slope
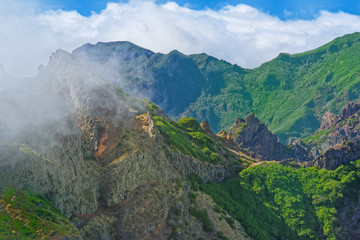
x,y
119,168
116,166
289,93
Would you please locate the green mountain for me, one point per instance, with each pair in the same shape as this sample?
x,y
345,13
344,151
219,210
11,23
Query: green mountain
x,y
289,93
82,159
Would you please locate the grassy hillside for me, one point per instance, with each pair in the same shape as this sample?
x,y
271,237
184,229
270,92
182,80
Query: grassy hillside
x,y
289,93
25,215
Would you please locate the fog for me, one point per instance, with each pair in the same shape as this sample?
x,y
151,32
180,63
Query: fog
x,y
46,108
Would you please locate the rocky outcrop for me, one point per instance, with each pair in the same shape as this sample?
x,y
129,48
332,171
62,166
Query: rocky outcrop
x,y
251,133
335,130
337,156
59,173
206,128
350,109
300,150
329,120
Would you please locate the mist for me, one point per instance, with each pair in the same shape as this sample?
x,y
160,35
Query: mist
x,y
42,110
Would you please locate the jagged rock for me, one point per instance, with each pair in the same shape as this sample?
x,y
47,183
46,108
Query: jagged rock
x,y
222,134
329,120
251,133
300,150
334,130
350,109
206,127
151,128
341,154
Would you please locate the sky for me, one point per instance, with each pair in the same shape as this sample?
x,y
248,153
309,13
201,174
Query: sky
x,y
245,32
284,9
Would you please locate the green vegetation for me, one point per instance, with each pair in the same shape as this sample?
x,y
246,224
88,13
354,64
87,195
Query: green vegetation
x,y
177,138
202,140
290,93
282,202
318,137
179,184
183,138
190,124
221,236
25,215
195,181
192,197
152,107
203,217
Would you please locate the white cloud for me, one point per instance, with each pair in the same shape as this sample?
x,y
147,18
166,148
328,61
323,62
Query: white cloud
x,y
239,34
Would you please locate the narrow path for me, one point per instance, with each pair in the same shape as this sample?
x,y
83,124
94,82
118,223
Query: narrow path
x,y
258,163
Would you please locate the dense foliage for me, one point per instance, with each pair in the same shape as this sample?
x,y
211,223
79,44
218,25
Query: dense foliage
x,y
25,215
283,202
190,124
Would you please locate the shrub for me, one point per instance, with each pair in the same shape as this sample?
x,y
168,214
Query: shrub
x,y
202,140
195,181
189,124
192,197
203,217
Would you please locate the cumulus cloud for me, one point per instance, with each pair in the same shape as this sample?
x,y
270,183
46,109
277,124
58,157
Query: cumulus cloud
x,y
239,34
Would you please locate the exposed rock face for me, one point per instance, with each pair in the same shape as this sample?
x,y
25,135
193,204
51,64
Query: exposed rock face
x,y
335,130
206,127
108,167
60,173
300,150
350,109
329,120
251,133
337,156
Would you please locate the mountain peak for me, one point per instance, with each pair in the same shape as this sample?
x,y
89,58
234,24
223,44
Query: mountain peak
x,y
251,133
105,51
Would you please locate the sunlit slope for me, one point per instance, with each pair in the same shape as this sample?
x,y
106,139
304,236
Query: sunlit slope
x,y
291,92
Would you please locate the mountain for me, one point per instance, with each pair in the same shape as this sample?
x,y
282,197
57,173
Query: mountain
x,y
289,93
82,159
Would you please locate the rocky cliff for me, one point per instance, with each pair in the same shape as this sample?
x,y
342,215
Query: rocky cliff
x,y
251,133
338,155
104,162
336,141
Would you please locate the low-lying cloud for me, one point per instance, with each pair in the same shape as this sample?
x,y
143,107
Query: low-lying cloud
x,y
239,34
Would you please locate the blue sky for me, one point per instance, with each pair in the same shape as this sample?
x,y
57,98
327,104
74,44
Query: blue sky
x,y
245,32
284,9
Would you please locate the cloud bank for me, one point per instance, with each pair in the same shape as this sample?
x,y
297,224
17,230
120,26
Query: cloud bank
x,y
239,34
